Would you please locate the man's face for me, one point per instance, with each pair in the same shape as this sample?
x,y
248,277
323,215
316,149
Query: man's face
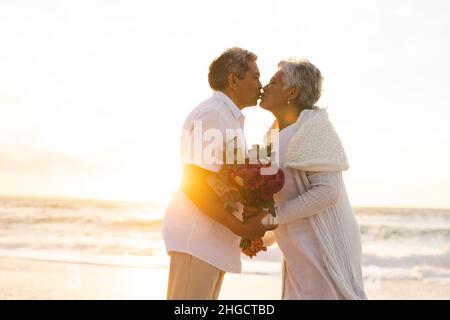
x,y
249,87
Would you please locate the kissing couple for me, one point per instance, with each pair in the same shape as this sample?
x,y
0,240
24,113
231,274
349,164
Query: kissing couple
x,y
313,223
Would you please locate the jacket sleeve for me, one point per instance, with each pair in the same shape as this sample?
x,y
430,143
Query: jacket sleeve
x,y
325,192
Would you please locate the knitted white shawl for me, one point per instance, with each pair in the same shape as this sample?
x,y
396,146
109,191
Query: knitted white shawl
x,y
317,147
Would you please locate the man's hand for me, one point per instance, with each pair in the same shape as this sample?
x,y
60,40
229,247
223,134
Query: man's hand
x,y
252,228
196,187
250,212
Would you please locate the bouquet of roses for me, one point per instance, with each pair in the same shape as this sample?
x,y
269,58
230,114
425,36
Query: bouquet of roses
x,y
245,184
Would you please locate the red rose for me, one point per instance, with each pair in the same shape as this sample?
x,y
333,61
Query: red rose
x,y
251,175
272,185
278,181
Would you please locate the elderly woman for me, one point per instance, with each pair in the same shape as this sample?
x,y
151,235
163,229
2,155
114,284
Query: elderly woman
x,y
317,233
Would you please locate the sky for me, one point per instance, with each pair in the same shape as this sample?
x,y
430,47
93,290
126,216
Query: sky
x,y
93,94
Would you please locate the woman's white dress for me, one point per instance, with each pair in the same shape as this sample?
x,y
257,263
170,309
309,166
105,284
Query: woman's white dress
x,y
305,275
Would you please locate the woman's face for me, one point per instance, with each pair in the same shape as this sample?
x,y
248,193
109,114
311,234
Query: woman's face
x,y
274,95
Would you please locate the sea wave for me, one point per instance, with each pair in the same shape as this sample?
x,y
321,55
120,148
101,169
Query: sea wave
x,y
383,232
131,261
433,268
441,260
397,243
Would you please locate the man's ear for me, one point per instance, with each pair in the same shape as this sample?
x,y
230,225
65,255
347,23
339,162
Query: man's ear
x,y
232,80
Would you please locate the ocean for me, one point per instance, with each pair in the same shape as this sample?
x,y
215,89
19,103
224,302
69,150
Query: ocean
x,y
398,244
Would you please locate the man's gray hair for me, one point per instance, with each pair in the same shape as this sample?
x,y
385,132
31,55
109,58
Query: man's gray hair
x,y
302,74
234,60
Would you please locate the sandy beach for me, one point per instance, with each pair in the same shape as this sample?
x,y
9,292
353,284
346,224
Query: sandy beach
x,y
33,279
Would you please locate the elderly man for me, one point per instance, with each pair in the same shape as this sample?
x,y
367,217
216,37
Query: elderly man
x,y
202,238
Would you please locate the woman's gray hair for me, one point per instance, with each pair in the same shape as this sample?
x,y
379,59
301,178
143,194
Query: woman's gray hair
x,y
302,74
234,60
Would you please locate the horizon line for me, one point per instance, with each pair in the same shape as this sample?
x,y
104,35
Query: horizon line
x,y
149,202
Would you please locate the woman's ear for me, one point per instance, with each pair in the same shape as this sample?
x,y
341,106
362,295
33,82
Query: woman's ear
x,y
294,93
